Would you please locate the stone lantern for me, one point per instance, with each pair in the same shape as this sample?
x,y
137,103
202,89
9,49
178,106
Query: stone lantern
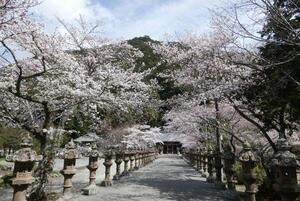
x,y
192,157
229,160
249,161
159,147
118,162
136,160
211,168
131,158
107,163
69,154
126,161
200,170
205,173
287,172
92,167
24,160
144,156
197,160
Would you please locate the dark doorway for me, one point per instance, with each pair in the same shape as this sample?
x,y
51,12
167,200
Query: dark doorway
x,y
172,147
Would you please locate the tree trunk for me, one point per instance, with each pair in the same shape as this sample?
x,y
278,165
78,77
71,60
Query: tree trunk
x,y
38,192
218,162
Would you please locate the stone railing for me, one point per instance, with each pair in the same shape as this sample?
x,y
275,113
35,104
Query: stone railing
x,y
285,168
25,159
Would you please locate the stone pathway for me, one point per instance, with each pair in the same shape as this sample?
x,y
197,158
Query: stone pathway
x,y
168,178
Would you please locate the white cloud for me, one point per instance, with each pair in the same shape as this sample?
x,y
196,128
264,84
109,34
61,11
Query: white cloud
x,y
70,11
130,18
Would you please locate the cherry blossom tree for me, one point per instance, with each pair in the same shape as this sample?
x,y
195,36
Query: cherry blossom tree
x,y
269,32
141,136
204,70
212,70
14,11
46,77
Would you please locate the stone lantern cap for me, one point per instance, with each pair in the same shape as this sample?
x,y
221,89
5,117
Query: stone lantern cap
x,y
25,154
70,151
284,157
247,155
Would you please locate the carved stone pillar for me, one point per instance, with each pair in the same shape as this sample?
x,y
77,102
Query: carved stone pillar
x,y
131,162
93,166
249,162
200,163
126,168
205,173
24,160
136,161
229,160
140,159
69,154
147,158
177,151
118,162
287,172
211,168
192,158
143,159
107,163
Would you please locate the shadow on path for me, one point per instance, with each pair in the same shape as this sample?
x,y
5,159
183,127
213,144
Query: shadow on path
x,y
167,178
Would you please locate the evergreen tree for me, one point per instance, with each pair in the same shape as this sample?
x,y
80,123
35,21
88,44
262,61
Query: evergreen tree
x,y
274,95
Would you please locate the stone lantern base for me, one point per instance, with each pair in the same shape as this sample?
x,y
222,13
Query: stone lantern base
x,y
116,177
106,183
125,173
211,179
205,174
90,190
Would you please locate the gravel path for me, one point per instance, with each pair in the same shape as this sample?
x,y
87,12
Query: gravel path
x,y
167,178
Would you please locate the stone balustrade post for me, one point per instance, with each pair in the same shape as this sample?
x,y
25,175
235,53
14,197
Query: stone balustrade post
x,y
205,173
189,156
92,167
193,161
107,163
229,161
201,162
140,159
198,161
24,160
249,161
131,162
154,156
144,158
287,172
126,167
118,162
147,158
69,154
211,168
218,170
136,161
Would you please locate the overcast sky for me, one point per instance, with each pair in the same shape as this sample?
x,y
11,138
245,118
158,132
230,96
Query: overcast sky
x,y
130,18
